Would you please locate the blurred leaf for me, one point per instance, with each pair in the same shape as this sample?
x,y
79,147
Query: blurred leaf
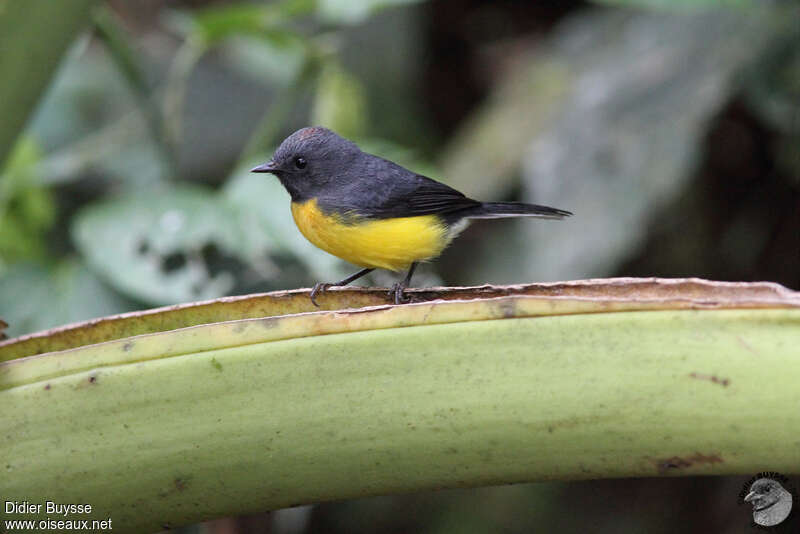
x,y
605,120
118,151
33,37
282,104
213,24
788,157
156,246
27,209
772,90
183,63
190,243
209,27
86,93
773,85
115,37
261,60
355,11
679,4
390,56
34,297
134,165
88,124
121,51
339,103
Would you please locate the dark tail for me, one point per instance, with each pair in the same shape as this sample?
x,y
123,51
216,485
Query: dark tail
x,y
498,210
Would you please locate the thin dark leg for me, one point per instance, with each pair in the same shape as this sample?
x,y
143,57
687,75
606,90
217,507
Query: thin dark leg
x,y
321,287
397,289
407,280
353,277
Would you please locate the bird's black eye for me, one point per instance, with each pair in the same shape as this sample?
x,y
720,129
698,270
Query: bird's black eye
x,y
300,162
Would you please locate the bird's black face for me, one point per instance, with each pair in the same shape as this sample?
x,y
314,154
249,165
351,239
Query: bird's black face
x,y
308,160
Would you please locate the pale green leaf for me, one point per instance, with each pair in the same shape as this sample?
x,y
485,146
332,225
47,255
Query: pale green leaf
x,y
339,103
154,246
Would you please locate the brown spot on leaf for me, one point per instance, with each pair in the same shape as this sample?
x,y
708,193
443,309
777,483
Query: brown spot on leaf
x,y
270,322
239,327
570,422
180,483
93,379
128,346
508,307
711,378
746,345
667,465
47,386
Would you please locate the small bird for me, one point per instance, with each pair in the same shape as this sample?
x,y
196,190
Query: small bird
x,y
771,502
372,212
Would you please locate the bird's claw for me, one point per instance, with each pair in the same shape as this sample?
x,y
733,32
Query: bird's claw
x,y
319,287
397,292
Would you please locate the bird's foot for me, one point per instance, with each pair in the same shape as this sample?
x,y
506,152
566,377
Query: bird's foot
x,y
397,292
319,287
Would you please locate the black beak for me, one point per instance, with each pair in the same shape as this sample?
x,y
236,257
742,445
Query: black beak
x,y
266,167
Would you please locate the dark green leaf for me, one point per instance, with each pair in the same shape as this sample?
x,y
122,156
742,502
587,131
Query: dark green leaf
x,y
33,36
27,209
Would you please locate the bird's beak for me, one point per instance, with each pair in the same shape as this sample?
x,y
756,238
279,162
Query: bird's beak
x,y
266,167
750,496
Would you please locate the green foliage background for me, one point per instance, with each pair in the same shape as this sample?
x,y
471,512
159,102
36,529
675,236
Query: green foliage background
x,y
669,128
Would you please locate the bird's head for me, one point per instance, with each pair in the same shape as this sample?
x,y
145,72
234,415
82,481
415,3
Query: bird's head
x,y
764,492
309,159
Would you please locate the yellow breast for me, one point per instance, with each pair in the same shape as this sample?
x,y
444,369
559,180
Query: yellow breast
x,y
384,243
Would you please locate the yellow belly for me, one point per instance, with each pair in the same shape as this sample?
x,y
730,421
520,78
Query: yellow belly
x,y
384,243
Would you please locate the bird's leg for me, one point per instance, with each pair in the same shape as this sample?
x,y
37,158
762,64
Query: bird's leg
x,y
320,287
397,289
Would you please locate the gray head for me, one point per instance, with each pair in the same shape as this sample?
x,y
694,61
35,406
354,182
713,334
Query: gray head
x,y
772,504
764,493
309,159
